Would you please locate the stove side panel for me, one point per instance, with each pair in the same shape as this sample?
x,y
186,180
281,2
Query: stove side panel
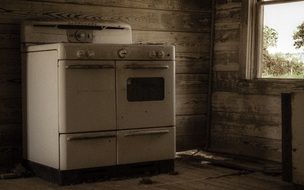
x,y
41,130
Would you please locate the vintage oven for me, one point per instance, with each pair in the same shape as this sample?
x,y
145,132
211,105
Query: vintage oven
x,y
90,106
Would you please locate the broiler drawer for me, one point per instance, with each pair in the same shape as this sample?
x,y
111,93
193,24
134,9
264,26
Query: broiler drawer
x,y
144,145
87,150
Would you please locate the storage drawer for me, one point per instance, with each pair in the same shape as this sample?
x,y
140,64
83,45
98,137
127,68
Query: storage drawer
x,y
144,145
87,150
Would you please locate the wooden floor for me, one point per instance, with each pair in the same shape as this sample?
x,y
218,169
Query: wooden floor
x,y
190,176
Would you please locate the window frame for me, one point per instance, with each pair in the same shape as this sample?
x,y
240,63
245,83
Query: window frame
x,y
251,38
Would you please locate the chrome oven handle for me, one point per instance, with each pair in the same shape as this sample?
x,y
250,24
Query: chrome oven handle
x,y
148,67
89,67
89,137
140,133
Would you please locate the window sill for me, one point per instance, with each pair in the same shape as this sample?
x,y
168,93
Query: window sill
x,y
280,80
298,83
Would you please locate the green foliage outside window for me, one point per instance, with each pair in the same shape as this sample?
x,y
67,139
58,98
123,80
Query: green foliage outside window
x,y
281,65
298,36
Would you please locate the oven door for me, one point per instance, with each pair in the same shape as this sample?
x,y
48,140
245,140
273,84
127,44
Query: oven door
x,y
86,96
145,94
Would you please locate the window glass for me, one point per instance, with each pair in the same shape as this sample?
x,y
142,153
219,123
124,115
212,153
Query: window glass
x,y
145,89
282,40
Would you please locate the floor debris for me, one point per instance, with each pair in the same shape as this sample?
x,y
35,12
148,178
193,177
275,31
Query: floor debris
x,y
146,181
200,158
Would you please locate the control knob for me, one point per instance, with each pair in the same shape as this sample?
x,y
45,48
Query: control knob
x,y
90,53
152,54
160,54
81,53
80,36
122,53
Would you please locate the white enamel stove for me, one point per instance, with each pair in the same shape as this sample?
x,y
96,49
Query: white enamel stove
x,y
94,99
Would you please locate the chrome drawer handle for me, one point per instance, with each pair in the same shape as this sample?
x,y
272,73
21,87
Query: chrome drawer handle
x,y
139,67
90,137
140,133
89,67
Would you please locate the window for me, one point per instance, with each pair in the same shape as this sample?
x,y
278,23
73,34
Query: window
x,y
145,89
274,39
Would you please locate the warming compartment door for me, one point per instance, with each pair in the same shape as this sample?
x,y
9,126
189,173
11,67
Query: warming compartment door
x,y
87,150
86,96
145,145
145,94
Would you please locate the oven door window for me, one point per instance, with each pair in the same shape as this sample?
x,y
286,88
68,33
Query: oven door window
x,y
145,89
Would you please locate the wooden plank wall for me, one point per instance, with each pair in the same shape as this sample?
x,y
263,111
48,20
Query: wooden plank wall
x,y
10,94
184,23
246,114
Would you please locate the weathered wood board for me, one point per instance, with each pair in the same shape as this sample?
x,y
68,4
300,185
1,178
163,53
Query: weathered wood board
x,y
297,140
143,19
177,5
